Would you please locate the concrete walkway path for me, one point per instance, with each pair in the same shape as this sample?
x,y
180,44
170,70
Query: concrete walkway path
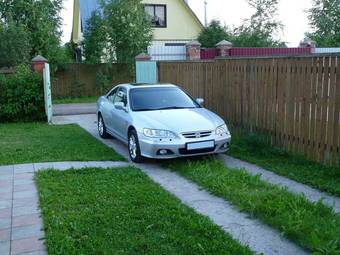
x,y
258,236
311,194
72,109
21,227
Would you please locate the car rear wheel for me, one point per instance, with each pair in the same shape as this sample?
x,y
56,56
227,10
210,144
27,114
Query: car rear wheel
x,y
134,149
102,128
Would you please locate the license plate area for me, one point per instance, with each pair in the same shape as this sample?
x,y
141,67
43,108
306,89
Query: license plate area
x,y
200,145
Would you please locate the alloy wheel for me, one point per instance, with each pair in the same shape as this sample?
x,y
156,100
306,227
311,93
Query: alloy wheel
x,y
132,146
100,126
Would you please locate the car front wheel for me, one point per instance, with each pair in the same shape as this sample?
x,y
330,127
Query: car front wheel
x,y
134,149
102,128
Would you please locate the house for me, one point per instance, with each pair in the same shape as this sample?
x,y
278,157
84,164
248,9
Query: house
x,y
174,22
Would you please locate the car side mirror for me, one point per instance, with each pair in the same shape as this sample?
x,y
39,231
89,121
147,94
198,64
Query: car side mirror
x,y
200,101
120,106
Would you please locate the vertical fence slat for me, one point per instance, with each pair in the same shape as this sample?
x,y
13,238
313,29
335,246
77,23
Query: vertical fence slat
x,y
336,138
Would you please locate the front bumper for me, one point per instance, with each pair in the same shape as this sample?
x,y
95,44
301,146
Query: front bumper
x,y
151,147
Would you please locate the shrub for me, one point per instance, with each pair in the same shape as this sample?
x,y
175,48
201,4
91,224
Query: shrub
x,y
14,47
213,34
21,96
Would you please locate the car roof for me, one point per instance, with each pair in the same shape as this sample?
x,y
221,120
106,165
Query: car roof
x,y
147,85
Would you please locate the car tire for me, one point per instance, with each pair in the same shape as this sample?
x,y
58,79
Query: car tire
x,y
134,148
102,128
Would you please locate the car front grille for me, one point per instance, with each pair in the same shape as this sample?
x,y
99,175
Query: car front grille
x,y
184,151
198,134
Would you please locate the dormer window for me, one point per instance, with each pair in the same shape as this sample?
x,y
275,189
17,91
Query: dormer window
x,y
157,14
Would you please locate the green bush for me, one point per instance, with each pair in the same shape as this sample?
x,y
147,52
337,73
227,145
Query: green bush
x,y
15,46
21,96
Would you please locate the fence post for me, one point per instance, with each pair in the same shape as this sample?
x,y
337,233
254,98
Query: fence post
x,y
308,43
193,49
224,48
146,69
40,65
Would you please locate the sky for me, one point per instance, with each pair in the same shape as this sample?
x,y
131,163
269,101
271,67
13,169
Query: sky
x,y
292,13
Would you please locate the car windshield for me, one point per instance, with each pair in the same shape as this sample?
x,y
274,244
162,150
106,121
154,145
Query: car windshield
x,y
151,99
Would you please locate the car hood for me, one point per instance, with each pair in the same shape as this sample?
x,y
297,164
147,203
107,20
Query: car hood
x,y
179,120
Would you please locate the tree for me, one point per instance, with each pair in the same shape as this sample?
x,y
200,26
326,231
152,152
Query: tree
x,y
95,38
117,33
128,31
14,46
261,28
324,18
41,21
213,34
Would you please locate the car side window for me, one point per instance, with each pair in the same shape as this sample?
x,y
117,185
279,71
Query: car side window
x,y
111,96
121,96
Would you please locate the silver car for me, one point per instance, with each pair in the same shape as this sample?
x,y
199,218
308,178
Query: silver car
x,y
160,121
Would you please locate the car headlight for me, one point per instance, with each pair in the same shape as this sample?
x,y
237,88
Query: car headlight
x,y
158,133
223,129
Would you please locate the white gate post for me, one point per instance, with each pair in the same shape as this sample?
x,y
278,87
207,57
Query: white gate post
x,y
48,93
41,66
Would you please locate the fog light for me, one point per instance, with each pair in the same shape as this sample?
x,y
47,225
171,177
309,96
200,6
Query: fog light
x,y
225,145
163,152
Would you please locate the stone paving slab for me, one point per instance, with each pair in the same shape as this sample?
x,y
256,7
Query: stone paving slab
x,y
6,196
5,234
26,220
22,246
5,204
25,210
42,252
6,177
41,166
5,247
23,168
7,170
25,194
311,194
27,231
5,213
24,202
5,223
24,187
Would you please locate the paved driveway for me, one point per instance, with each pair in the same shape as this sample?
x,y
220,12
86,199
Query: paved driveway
x,y
74,109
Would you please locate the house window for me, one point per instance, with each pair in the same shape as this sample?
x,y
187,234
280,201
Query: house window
x,y
157,14
175,44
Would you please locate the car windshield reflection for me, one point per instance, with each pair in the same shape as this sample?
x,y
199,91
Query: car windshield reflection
x,y
167,98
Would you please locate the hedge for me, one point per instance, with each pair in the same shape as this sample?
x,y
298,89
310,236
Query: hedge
x,y
21,96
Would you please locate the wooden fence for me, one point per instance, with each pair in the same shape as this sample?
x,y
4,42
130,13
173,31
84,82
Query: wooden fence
x,y
296,100
79,80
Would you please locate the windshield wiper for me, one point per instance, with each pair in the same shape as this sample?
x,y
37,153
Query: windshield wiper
x,y
145,109
174,107
163,108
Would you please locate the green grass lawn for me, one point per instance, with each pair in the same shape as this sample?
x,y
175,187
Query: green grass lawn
x,y
121,211
38,142
313,226
255,149
76,100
